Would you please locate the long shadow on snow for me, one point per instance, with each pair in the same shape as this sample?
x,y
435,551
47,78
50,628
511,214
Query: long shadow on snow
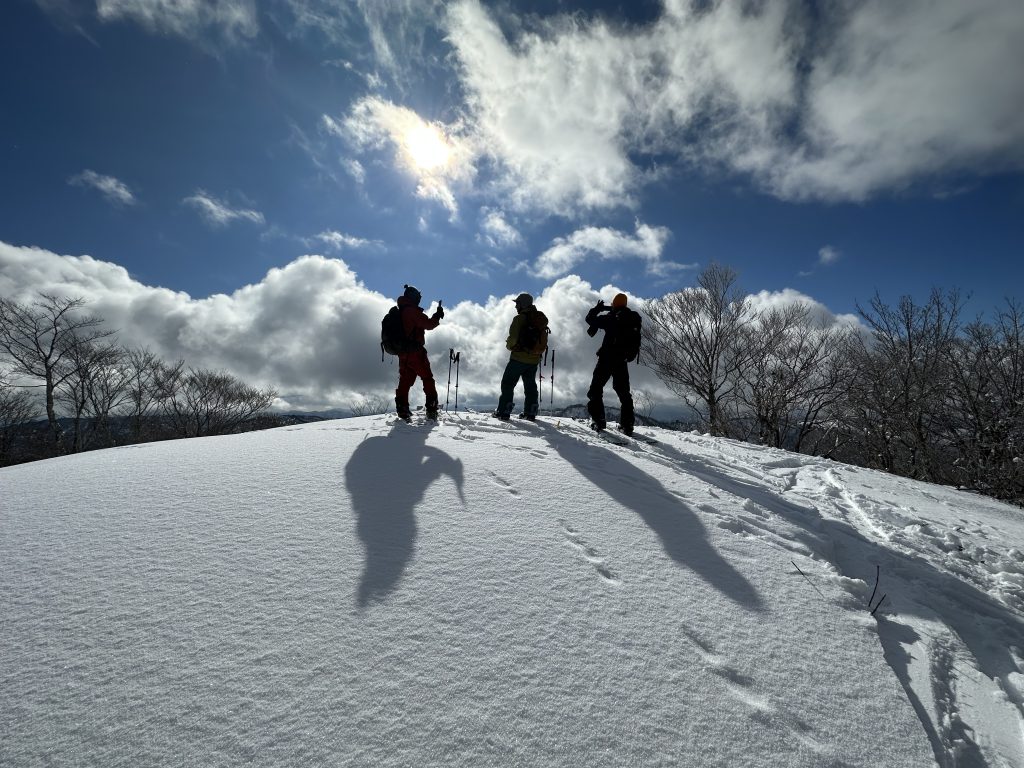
x,y
987,627
682,535
386,478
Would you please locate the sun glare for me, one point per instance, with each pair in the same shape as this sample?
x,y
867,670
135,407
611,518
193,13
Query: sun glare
x,y
427,148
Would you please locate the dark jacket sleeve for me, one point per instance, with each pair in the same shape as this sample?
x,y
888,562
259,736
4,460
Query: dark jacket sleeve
x,y
600,317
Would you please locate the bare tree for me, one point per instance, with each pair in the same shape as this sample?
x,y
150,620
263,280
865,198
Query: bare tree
x,y
370,405
200,402
16,408
795,375
898,401
38,339
143,371
694,342
643,404
985,412
92,386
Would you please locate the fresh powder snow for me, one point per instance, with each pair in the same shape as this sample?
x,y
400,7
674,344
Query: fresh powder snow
x,y
366,592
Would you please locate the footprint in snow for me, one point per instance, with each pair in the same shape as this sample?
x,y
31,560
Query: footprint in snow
x,y
502,483
740,686
589,554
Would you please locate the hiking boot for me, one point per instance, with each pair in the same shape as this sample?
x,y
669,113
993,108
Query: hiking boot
x,y
432,414
598,427
528,417
626,430
501,416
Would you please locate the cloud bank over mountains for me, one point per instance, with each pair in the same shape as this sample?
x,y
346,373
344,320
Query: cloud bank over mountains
x,y
311,329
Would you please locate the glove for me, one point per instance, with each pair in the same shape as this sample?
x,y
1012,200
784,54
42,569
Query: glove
x,y
439,312
600,302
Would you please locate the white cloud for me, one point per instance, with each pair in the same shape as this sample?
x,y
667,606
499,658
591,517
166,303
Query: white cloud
x,y
218,213
496,232
433,154
765,300
338,241
864,98
647,244
312,329
550,110
190,19
477,271
908,90
115,191
354,169
828,255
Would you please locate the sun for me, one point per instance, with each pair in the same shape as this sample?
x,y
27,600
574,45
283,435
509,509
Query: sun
x,y
427,148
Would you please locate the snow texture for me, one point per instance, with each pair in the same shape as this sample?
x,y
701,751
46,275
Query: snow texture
x,y
366,592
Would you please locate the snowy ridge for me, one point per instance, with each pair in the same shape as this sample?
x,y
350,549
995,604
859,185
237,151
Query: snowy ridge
x,y
369,592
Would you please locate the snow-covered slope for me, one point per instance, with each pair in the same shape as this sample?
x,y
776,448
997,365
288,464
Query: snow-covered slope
x,y
369,593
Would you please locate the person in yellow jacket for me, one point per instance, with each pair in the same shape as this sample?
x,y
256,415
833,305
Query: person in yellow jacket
x,y
527,340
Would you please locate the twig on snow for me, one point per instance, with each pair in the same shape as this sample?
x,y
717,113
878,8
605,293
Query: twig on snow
x,y
809,581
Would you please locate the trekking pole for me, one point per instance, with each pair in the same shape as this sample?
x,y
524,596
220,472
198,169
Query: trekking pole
x,y
457,356
552,400
544,364
447,390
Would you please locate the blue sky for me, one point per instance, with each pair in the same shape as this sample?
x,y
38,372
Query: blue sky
x,y
480,148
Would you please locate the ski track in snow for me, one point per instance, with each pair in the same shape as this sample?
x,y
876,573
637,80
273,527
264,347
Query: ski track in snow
x,y
950,627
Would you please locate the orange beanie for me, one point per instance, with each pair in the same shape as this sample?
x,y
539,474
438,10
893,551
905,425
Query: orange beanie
x,y
619,300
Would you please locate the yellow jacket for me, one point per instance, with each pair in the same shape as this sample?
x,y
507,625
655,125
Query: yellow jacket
x,y
518,354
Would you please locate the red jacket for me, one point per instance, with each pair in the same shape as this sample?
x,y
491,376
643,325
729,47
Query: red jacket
x,y
415,321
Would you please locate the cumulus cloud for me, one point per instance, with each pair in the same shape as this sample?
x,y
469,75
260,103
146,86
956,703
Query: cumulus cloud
x,y
866,98
218,213
115,191
432,153
765,300
647,244
233,19
311,329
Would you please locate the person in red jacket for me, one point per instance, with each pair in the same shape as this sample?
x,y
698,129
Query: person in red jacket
x,y
416,363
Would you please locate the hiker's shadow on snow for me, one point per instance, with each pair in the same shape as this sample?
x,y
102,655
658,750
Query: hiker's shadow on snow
x,y
680,531
986,626
386,478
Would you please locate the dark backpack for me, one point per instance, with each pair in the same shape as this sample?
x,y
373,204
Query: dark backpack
x,y
627,333
393,339
533,333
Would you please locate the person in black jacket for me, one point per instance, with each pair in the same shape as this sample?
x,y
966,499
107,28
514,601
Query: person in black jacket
x,y
616,321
